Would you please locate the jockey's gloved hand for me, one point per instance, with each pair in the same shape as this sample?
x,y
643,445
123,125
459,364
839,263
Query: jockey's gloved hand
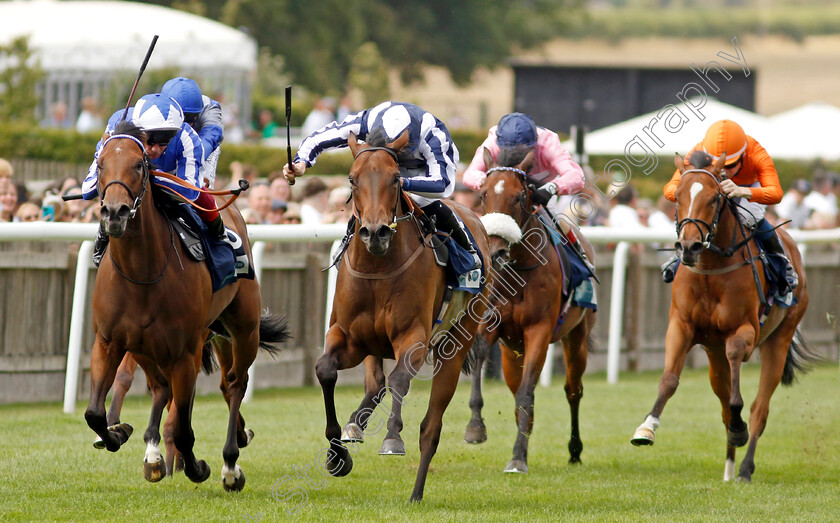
x,y
543,194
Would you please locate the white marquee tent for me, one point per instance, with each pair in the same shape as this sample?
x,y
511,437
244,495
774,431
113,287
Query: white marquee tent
x,y
81,45
808,132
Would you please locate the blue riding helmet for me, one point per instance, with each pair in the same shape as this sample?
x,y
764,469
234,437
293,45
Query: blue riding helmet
x,y
186,92
156,112
516,129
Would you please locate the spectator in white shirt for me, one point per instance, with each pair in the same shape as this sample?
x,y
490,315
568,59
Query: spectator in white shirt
x,y
623,213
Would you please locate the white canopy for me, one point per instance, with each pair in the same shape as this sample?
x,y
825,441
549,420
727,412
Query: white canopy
x,y
108,35
805,133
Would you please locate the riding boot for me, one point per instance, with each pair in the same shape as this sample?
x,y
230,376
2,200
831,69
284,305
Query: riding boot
x,y
100,244
669,268
773,246
217,228
446,222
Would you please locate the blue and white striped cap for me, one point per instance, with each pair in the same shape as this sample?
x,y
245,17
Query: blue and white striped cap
x,y
156,112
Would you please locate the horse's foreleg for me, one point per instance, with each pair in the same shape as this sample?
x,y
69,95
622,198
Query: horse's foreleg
x,y
738,346
154,467
773,355
575,353
536,345
182,383
374,390
677,343
339,462
721,382
476,430
443,387
104,361
410,350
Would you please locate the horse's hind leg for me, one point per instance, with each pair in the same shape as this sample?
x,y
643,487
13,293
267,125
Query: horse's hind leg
x,y
476,430
224,353
575,353
104,361
182,383
677,342
374,391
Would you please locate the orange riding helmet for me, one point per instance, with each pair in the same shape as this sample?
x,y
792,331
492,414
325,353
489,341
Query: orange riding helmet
x,y
725,136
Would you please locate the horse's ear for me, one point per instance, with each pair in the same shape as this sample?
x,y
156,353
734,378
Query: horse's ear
x,y
679,162
525,164
489,161
717,165
353,143
399,143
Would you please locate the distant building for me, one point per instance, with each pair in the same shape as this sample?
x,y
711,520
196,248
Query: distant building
x,y
86,47
559,96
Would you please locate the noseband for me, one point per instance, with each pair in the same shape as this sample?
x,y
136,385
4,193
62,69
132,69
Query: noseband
x,y
146,173
523,206
711,228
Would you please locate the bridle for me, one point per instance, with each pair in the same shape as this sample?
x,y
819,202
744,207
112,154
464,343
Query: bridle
x,y
146,166
711,228
144,180
395,218
523,206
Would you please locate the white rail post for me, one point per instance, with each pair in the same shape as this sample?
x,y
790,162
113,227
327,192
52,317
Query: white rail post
x,y
257,252
77,325
616,310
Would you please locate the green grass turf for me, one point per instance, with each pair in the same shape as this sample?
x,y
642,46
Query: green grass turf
x,y
51,471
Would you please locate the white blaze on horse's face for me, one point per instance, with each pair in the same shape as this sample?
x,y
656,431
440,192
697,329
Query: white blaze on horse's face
x,y
499,188
696,188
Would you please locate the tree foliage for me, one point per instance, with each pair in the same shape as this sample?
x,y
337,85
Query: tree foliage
x,y
318,40
18,77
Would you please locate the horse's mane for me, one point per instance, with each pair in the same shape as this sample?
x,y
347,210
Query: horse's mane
x,y
700,159
127,127
377,137
513,156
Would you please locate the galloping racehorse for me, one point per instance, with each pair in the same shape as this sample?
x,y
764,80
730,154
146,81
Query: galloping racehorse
x,y
527,292
715,303
388,293
151,300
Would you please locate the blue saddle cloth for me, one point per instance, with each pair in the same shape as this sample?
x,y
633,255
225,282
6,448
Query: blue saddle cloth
x,y
226,260
459,273
582,288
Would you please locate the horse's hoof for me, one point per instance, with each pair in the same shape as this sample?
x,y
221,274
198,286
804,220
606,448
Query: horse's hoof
x,y
233,480
249,436
643,436
352,433
743,479
475,435
738,438
392,447
202,472
575,460
98,443
516,466
339,463
154,472
179,463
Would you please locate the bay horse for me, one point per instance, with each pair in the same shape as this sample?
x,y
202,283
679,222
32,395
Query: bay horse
x,y
715,303
151,300
528,293
388,293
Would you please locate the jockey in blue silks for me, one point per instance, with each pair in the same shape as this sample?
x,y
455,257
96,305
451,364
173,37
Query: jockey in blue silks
x,y
427,163
171,145
205,116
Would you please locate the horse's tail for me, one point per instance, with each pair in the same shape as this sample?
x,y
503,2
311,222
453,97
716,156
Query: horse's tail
x,y
800,357
209,363
273,329
478,352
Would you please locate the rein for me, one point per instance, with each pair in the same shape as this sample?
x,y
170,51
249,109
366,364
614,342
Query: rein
x,y
523,206
166,266
234,193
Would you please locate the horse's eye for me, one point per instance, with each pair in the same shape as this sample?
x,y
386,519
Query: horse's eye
x,y
139,166
351,180
397,179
